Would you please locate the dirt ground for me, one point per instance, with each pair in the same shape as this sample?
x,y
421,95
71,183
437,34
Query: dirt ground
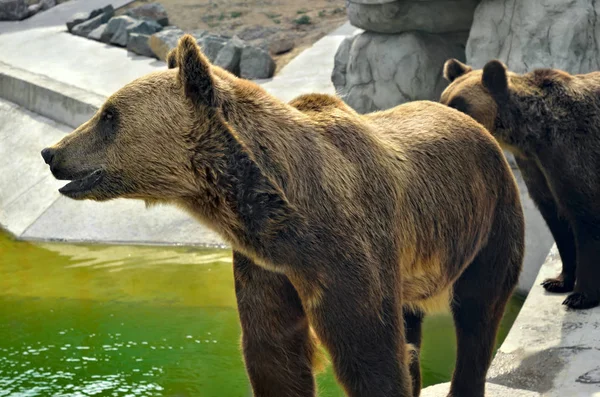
x,y
259,22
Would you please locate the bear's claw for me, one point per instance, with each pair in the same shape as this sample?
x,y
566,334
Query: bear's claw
x,y
557,285
579,301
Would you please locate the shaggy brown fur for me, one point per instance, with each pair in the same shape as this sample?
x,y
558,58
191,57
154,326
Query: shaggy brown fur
x,y
550,121
352,225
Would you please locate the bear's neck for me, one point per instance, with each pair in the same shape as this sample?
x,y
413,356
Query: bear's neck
x,y
238,200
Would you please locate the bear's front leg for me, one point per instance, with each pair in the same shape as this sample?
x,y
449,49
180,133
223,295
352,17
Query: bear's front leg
x,y
277,345
363,330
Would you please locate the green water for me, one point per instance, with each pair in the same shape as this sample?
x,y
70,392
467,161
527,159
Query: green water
x,y
81,320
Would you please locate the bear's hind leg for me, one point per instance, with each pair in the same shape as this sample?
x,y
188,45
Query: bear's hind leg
x,y
413,322
278,347
587,287
559,226
480,296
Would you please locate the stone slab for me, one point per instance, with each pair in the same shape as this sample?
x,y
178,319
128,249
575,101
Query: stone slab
x,y
26,187
550,350
76,61
491,390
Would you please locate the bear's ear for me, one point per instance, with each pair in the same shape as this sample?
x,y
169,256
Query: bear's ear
x,y
453,69
194,72
172,59
494,78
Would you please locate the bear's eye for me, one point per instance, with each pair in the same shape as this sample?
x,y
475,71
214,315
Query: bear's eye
x,y
108,115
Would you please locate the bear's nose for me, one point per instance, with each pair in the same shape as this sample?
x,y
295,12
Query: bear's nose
x,y
48,155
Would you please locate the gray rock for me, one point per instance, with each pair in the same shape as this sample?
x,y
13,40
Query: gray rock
x,y
138,44
281,44
230,55
33,9
13,10
116,30
532,34
152,11
435,16
211,45
144,27
381,71
81,17
256,64
340,62
164,41
96,34
47,4
85,28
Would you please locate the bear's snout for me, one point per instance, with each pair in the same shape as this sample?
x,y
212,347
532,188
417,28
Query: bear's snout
x,y
48,155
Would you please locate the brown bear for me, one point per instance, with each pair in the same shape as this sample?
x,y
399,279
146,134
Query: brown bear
x,y
550,121
350,225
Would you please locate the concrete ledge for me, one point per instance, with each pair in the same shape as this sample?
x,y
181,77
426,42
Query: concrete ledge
x,y
550,351
50,98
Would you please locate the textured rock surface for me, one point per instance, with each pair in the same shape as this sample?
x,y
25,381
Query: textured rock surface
x,y
85,28
33,9
229,56
152,11
211,45
532,34
96,34
116,30
81,17
144,27
340,62
13,10
47,4
382,71
281,44
138,44
435,16
256,63
162,42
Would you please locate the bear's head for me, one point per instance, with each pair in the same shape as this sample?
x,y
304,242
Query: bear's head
x,y
507,104
477,93
147,140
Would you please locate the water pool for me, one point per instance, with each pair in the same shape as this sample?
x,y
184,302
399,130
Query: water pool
x,y
83,320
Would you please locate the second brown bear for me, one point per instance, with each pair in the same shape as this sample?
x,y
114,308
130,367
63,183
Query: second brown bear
x,y
550,121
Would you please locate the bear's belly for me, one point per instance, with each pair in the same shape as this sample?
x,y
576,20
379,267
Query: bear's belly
x,y
426,293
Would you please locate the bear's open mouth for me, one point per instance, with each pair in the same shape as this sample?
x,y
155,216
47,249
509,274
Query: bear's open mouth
x,y
78,187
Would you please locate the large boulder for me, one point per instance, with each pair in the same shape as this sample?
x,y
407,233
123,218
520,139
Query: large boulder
x,y
138,44
256,63
116,30
146,27
230,55
96,34
378,71
434,16
532,34
13,10
164,41
340,62
85,28
33,9
152,11
47,4
211,45
81,17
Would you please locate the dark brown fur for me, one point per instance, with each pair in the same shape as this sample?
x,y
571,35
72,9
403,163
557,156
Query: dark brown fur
x,y
550,120
352,225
